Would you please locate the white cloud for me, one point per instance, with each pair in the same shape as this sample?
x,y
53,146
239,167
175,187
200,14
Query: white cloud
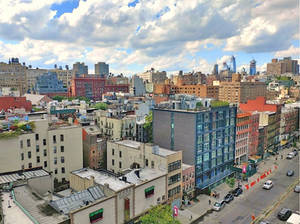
x,y
292,51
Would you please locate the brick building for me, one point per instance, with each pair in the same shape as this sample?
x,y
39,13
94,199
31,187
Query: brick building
x,y
203,91
94,87
10,102
253,134
286,65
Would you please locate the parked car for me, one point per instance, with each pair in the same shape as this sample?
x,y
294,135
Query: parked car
x,y
297,189
290,173
228,198
290,155
295,152
268,185
264,222
236,192
219,205
284,214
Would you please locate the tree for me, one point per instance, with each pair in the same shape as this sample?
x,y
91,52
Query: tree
x,y
230,181
59,98
161,214
100,106
148,127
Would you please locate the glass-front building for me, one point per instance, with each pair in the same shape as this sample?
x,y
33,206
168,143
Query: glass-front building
x,y
206,137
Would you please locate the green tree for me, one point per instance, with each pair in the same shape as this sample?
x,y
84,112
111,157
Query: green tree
x,y
161,214
230,181
100,106
148,127
199,104
59,98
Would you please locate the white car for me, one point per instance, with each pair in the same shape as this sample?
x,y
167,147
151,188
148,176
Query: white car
x,y
219,205
268,185
290,155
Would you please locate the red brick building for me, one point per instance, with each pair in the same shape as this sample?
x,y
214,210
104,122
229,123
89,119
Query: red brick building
x,y
94,87
11,102
253,134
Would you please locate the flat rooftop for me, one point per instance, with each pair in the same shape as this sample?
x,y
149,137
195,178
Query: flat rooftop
x,y
102,178
129,143
6,178
186,166
145,174
12,215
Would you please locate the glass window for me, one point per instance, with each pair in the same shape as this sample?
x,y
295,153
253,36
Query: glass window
x,y
22,156
37,148
213,154
28,143
55,171
61,138
54,139
63,170
62,148
62,159
45,164
206,156
21,144
30,165
55,160
29,155
120,154
44,141
36,137
113,152
120,165
152,164
45,152
54,149
199,159
113,162
38,159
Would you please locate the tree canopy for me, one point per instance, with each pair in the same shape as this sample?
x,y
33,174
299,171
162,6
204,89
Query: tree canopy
x,y
100,106
161,214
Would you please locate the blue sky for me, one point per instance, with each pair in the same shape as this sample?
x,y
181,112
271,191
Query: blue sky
x,y
135,35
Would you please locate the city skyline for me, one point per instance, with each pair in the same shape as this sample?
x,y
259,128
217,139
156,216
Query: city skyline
x,y
133,36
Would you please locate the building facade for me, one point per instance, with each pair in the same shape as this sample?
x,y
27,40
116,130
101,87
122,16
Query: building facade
x,y
57,147
285,65
188,180
152,76
12,103
137,86
122,155
252,68
253,134
80,69
242,137
240,92
203,91
102,69
206,137
49,84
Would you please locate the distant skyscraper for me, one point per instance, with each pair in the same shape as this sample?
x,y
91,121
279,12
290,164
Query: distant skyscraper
x,y
80,69
252,67
215,70
233,64
102,69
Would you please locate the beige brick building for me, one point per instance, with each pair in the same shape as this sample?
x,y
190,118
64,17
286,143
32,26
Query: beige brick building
x,y
122,155
240,92
57,147
116,127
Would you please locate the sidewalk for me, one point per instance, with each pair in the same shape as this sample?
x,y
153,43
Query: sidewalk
x,y
198,209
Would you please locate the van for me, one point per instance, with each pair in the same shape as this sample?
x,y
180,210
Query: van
x,y
294,219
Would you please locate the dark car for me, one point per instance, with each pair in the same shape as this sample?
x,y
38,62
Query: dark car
x,y
236,192
295,152
228,198
284,214
290,173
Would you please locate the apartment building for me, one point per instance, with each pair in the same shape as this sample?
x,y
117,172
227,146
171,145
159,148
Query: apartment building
x,y
116,126
206,138
240,92
125,154
13,75
285,65
152,76
288,125
203,91
188,180
55,146
253,134
242,137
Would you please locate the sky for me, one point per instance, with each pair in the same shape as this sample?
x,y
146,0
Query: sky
x,y
136,35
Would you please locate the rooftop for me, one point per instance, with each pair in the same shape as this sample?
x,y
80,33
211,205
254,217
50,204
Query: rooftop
x,y
102,178
185,166
130,143
145,175
77,200
6,178
92,129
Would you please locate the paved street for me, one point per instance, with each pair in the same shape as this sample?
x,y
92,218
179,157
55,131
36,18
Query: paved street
x,y
256,200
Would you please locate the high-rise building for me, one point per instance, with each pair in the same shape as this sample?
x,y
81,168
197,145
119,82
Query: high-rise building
x,y
215,70
233,64
252,67
153,76
102,69
137,86
206,138
80,69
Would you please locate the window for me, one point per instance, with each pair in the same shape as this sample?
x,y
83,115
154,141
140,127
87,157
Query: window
x,y
22,156
173,179
61,138
113,152
149,191
55,171
45,152
21,144
113,162
54,149
63,170
174,191
37,148
29,155
44,142
36,137
146,162
174,165
28,143
38,159
55,160
120,165
62,159
96,216
45,164
120,154
29,165
62,149
54,139
22,167
152,164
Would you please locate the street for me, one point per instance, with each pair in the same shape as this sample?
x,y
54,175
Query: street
x,y
257,200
